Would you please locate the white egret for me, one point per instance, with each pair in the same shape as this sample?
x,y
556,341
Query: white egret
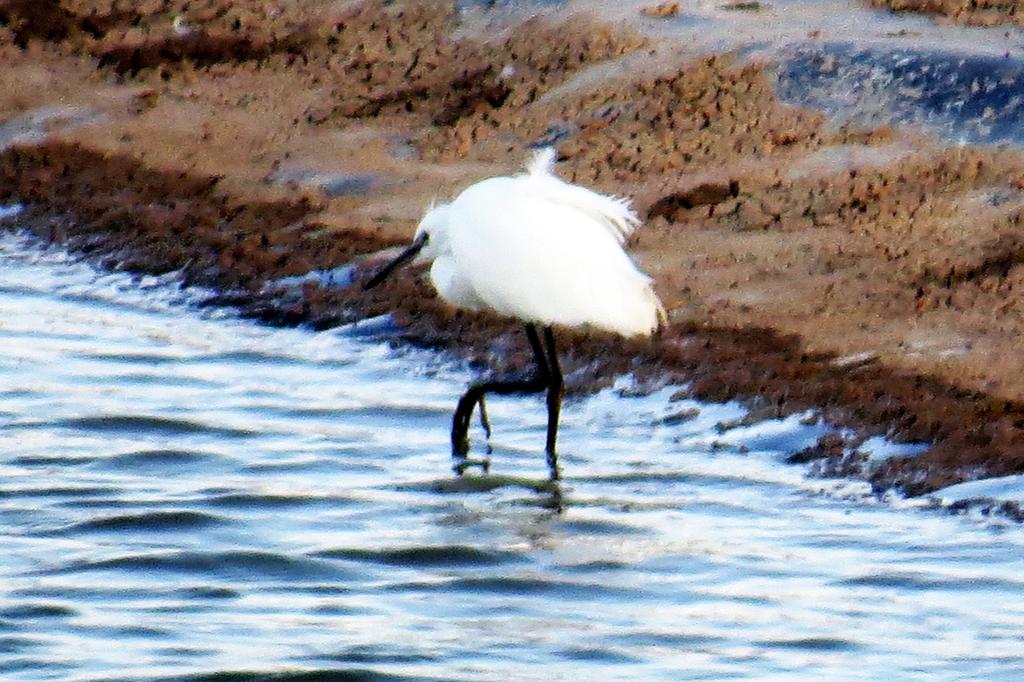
x,y
544,251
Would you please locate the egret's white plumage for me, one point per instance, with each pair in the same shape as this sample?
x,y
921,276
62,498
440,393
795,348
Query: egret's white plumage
x,y
537,248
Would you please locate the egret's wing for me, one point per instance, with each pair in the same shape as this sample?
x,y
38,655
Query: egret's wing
x,y
612,213
528,256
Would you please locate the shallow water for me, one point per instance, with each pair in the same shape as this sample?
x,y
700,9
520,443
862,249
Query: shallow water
x,y
186,494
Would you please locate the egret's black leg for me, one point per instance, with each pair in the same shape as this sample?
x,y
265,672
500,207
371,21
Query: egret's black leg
x,y
542,367
485,423
538,350
475,395
461,422
555,390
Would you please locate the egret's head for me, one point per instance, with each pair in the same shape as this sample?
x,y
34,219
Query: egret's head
x,y
433,232
431,241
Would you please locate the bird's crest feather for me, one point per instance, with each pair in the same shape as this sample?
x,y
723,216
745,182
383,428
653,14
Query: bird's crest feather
x,y
542,163
613,213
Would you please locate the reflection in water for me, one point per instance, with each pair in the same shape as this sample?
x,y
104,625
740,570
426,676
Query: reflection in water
x,y
182,494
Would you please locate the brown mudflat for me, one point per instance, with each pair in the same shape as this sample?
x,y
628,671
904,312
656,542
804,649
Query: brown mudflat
x,y
868,273
968,12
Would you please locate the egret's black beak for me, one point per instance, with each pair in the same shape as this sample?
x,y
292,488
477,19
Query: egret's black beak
x,y
399,261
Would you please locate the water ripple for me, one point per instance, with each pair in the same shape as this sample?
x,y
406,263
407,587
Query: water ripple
x,y
144,424
328,675
15,644
519,586
50,461
600,654
208,592
60,491
238,564
157,521
920,581
160,459
34,611
34,665
601,527
811,644
274,500
423,557
379,654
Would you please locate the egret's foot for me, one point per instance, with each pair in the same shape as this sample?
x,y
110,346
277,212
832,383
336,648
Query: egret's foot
x,y
463,463
554,473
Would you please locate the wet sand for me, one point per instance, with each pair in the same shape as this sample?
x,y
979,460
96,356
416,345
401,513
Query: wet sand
x,y
804,265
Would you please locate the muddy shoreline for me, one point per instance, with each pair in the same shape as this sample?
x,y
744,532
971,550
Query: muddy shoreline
x,y
967,12
805,266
